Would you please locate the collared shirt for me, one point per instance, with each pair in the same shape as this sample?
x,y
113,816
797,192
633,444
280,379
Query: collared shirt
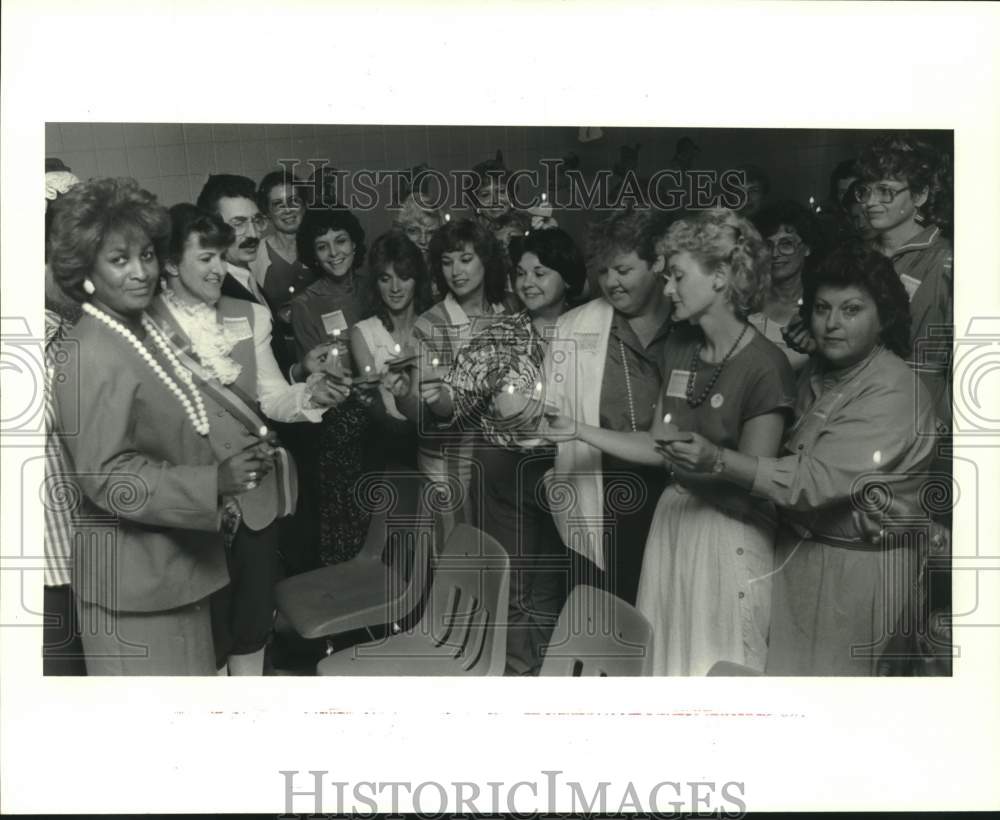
x,y
863,425
507,354
245,278
642,363
58,519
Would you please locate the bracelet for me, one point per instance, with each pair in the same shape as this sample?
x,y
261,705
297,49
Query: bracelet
x,y
720,463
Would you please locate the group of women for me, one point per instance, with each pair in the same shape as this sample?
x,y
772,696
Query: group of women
x,y
699,436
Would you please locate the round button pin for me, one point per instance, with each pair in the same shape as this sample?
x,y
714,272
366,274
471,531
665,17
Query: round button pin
x,y
717,401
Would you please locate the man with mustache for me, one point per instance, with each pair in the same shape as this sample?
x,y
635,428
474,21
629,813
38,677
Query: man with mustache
x,y
234,199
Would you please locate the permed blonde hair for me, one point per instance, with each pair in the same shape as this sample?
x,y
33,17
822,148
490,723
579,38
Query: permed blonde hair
x,y
724,243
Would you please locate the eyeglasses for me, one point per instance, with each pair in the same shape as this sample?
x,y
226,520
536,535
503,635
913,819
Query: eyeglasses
x,y
241,223
784,246
883,193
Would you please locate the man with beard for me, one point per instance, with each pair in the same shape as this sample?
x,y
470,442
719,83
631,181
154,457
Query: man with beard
x,y
234,199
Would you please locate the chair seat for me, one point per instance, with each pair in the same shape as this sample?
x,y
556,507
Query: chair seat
x,y
406,655
340,598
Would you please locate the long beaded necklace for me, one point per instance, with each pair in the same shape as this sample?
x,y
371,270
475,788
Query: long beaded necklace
x,y
193,405
628,385
693,371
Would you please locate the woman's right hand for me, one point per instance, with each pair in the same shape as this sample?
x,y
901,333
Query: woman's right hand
x,y
556,427
243,471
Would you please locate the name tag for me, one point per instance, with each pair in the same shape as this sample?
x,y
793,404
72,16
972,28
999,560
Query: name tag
x,y
910,284
334,321
237,329
678,383
589,342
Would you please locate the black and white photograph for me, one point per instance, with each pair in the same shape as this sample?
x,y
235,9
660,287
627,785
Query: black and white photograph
x,y
419,400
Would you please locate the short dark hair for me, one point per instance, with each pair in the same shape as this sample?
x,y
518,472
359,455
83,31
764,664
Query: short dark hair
x,y
319,221
917,163
555,249
454,236
623,232
186,219
87,213
855,264
218,186
394,248
754,173
770,218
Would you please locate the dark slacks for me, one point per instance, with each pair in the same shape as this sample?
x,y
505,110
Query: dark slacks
x,y
512,509
62,649
243,611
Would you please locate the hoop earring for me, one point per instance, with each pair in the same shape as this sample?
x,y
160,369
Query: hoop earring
x,y
88,287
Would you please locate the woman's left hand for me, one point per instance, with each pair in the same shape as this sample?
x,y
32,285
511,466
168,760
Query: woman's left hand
x,y
696,455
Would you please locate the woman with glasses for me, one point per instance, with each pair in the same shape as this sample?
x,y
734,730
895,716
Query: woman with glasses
x,y
277,269
793,236
905,189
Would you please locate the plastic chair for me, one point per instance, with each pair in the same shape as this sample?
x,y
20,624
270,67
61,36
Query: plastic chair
x,y
463,630
598,635
728,669
384,582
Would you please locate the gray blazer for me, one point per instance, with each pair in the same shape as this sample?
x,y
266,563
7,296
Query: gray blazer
x,y
142,470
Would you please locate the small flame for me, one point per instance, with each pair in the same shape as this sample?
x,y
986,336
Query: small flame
x,y
510,389
335,352
447,217
435,361
538,387
368,369
544,197
262,432
667,418
877,457
336,333
812,200
398,349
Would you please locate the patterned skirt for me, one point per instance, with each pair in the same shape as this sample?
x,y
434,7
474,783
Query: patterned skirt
x,y
343,520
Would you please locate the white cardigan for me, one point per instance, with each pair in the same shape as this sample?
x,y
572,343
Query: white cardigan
x,y
575,371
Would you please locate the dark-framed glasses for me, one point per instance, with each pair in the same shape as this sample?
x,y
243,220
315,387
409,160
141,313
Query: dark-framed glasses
x,y
784,246
884,194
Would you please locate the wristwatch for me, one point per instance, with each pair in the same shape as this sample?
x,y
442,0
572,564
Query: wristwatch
x,y
720,463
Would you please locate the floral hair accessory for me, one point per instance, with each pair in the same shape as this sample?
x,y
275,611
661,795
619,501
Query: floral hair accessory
x,y
58,183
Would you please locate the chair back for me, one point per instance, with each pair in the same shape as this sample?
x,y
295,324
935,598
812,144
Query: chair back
x,y
466,614
598,635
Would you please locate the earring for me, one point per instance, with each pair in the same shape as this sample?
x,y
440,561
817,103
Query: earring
x,y
88,287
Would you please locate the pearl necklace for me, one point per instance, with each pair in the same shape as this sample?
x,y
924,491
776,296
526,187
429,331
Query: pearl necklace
x,y
689,392
195,408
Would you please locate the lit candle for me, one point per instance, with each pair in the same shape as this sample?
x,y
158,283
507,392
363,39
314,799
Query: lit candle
x,y
368,369
435,361
544,197
800,302
667,418
877,458
819,209
447,217
398,349
336,333
262,432
334,352
812,201
538,387
510,389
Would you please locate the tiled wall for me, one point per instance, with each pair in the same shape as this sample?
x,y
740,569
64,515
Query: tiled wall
x,y
173,159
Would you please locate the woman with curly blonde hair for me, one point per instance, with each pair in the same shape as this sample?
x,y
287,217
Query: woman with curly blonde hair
x,y
704,581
